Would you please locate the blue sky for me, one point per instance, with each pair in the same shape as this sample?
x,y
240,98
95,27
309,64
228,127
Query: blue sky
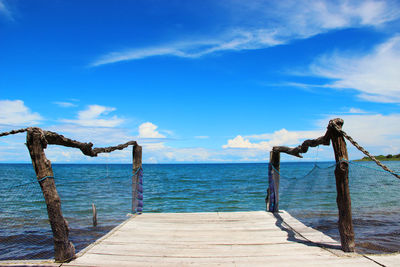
x,y
199,81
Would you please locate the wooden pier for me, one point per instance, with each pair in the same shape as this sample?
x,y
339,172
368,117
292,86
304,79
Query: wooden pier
x,y
255,238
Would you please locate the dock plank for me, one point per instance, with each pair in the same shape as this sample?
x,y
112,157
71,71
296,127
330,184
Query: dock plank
x,y
254,238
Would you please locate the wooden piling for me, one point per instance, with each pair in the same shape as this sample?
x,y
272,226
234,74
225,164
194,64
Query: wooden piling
x,y
64,250
94,215
37,141
272,199
137,164
342,186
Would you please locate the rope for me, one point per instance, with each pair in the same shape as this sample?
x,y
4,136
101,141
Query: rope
x,y
13,132
27,183
138,191
368,167
315,166
138,169
44,178
351,140
19,185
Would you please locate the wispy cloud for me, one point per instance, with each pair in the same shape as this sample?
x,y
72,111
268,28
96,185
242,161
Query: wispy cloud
x,y
262,24
235,39
65,104
14,112
96,116
4,11
357,111
376,76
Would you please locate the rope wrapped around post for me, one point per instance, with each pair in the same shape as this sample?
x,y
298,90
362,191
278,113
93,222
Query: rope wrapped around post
x,y
137,180
139,194
354,143
37,142
333,135
13,132
272,199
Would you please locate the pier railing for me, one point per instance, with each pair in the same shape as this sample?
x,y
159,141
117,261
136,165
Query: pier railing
x,y
36,141
336,136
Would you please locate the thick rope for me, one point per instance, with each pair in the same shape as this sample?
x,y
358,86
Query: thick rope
x,y
351,140
138,169
44,178
13,132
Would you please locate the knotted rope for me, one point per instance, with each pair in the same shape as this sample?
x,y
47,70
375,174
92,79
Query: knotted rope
x,y
13,132
351,140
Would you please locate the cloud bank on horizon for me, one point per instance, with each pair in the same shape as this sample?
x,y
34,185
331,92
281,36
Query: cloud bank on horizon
x,y
251,148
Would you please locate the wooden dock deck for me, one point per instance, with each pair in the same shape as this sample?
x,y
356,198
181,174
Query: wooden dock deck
x,y
254,238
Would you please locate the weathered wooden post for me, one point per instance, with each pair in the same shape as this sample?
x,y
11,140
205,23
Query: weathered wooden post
x,y
94,210
272,199
137,188
36,142
342,187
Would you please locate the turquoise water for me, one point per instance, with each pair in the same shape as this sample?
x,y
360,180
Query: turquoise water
x,y
375,197
25,233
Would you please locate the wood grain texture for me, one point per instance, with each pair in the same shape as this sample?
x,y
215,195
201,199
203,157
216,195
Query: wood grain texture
x,y
37,141
303,148
63,249
87,149
136,165
272,199
343,199
255,238
94,219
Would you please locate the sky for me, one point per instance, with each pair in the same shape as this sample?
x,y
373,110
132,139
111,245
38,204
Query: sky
x,y
199,81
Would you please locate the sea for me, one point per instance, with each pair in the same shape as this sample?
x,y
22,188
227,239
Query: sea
x,y
307,191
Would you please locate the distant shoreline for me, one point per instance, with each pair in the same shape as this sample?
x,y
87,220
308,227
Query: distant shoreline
x,y
389,157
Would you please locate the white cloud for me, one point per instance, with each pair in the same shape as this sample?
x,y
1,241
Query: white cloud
x,y
149,138
64,154
149,130
284,135
240,142
153,146
94,116
168,154
99,136
14,112
262,24
375,76
188,154
377,133
65,104
281,137
371,130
